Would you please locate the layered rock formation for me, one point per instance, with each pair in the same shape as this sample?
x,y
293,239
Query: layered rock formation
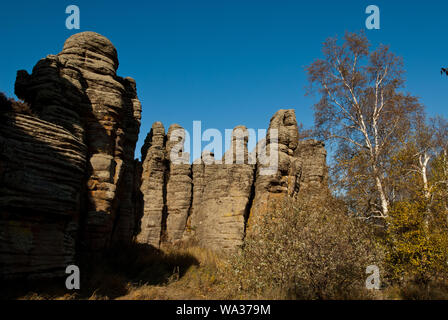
x,y
69,181
218,203
279,176
179,184
67,170
166,185
153,185
111,127
41,172
222,197
313,168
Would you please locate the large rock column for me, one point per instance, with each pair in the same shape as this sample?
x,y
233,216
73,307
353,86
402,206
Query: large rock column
x,y
111,123
179,184
283,176
153,185
67,166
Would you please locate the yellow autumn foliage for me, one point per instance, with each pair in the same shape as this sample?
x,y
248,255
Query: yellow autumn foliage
x,y
416,243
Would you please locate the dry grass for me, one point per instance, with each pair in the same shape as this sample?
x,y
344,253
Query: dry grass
x,y
134,272
201,280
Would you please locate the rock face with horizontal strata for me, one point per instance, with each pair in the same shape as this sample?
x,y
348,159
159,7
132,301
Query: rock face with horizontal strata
x,y
70,163
313,165
274,183
179,184
68,179
217,203
42,168
153,185
225,191
111,131
166,186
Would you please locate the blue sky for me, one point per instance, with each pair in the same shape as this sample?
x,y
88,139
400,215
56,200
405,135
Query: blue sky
x,y
229,62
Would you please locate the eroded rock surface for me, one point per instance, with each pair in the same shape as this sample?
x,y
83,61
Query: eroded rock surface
x,y
314,174
277,179
153,185
217,203
222,196
179,184
111,131
68,178
70,162
166,186
42,167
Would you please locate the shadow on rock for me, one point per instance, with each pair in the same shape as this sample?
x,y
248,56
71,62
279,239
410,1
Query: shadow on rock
x,y
108,275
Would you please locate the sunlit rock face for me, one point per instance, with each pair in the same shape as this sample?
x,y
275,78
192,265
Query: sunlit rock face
x,y
217,203
179,185
111,125
272,185
222,196
153,185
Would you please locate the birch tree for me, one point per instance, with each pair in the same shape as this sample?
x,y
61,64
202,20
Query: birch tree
x,y
363,110
413,164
